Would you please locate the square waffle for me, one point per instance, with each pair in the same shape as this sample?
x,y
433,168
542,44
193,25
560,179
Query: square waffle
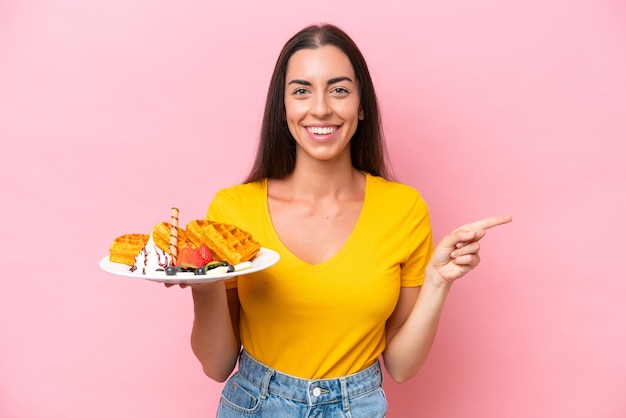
x,y
125,247
227,242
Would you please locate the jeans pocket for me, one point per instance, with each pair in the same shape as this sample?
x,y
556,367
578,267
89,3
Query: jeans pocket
x,y
370,405
240,395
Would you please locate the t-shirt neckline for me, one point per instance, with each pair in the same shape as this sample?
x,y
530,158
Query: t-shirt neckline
x,y
286,253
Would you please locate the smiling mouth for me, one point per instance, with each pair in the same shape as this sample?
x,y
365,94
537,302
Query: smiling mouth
x,y
322,130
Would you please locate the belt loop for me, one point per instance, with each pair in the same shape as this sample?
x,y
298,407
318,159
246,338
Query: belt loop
x,y
344,394
265,383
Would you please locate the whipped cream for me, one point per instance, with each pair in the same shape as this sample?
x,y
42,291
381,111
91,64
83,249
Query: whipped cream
x,y
151,258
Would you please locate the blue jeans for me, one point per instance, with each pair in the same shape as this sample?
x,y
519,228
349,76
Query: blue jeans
x,y
256,390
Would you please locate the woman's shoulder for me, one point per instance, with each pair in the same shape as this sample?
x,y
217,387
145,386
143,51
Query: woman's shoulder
x,y
243,190
234,202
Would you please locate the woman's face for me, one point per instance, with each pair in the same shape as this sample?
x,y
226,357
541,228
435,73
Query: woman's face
x,y
322,102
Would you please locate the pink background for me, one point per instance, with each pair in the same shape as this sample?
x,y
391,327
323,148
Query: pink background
x,y
112,111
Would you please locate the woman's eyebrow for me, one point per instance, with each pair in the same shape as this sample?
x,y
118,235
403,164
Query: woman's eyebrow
x,y
303,82
339,79
331,81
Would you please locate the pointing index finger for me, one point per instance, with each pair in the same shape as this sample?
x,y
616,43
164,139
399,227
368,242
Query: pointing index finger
x,y
491,222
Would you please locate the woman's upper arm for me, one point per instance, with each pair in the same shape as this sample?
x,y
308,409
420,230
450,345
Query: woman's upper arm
x,y
406,301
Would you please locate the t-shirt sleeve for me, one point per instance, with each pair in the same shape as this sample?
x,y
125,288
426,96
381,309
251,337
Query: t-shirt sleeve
x,y
215,211
419,245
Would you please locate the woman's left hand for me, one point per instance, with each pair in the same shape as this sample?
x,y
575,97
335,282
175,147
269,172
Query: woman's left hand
x,y
457,253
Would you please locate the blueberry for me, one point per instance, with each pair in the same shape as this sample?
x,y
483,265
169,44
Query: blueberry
x,y
170,270
231,268
200,271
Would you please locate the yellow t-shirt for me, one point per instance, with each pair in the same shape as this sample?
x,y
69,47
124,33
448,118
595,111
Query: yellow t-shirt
x,y
328,320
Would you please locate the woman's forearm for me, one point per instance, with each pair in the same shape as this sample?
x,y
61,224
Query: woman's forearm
x,y
213,338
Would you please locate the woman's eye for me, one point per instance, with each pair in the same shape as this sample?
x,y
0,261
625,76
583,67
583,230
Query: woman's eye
x,y
340,90
299,92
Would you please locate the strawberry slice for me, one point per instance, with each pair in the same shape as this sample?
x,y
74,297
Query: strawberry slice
x,y
206,254
189,257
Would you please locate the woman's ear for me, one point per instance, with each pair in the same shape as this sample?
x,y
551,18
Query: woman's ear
x,y
361,114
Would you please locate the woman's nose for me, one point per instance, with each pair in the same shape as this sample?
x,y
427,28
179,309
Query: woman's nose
x,y
321,106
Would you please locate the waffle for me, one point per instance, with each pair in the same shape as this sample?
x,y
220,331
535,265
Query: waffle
x,y
125,247
161,236
227,242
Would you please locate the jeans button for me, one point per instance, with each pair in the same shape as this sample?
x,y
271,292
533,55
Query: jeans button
x,y
316,392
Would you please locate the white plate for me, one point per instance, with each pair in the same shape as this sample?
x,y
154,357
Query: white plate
x,y
264,259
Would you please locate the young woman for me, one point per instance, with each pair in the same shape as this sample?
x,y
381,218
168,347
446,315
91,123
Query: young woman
x,y
358,276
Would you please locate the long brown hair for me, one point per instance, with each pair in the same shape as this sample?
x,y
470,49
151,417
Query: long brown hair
x,y
276,155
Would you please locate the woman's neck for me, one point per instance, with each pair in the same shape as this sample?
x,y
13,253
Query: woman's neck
x,y
321,180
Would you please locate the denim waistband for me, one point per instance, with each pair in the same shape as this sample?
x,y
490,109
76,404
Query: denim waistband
x,y
315,391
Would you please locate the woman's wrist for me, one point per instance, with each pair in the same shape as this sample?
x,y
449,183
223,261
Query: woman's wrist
x,y
433,277
204,290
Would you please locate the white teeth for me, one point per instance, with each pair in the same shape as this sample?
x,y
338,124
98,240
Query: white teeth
x,y
321,130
